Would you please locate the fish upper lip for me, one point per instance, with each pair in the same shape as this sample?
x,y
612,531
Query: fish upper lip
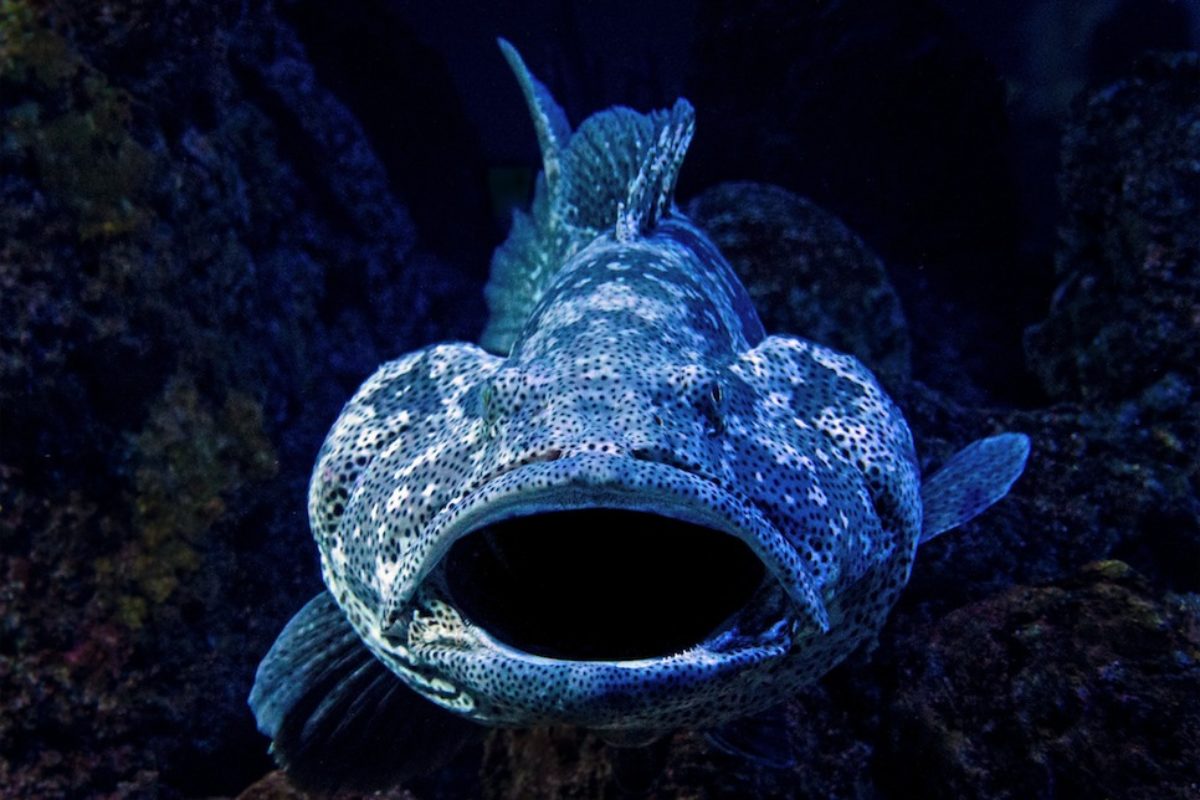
x,y
595,480
583,691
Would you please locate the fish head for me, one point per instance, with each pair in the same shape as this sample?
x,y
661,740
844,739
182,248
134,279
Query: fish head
x,y
597,538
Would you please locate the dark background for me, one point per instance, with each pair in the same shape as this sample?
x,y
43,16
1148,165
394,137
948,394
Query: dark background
x,y
931,128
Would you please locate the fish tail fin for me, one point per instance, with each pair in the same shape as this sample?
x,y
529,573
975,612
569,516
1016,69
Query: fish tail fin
x,y
974,478
616,172
337,717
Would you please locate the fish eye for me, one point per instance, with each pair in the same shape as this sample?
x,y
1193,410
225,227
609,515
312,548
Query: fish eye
x,y
487,404
711,409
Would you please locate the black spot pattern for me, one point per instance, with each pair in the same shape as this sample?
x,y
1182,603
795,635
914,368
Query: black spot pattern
x,y
638,379
638,382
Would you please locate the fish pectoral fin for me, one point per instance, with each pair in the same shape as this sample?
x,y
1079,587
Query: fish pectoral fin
x,y
973,479
338,718
761,738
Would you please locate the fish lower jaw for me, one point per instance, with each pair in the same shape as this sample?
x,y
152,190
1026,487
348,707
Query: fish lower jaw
x,y
512,687
543,601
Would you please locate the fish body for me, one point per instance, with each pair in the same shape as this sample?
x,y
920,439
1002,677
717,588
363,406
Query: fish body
x,y
627,409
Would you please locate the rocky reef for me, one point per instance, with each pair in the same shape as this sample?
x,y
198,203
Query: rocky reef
x,y
1099,675
1126,314
781,246
206,243
188,298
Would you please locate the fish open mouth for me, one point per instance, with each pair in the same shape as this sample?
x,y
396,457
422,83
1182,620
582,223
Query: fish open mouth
x,y
561,589
600,584
598,557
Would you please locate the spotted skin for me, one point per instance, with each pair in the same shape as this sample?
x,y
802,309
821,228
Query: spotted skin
x,y
634,377
640,379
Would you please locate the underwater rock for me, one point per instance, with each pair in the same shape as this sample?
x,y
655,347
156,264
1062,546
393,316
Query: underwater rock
x,y
807,273
1123,334
276,786
545,763
1126,312
200,254
1060,690
552,763
1077,502
355,48
1100,483
1115,470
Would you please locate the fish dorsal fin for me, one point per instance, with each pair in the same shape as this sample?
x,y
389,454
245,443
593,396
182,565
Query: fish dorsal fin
x,y
553,130
617,173
973,479
621,168
652,191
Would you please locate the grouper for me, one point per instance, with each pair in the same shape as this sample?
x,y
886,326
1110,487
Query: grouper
x,y
628,509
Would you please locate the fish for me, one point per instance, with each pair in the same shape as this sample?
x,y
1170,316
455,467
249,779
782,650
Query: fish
x,y
628,508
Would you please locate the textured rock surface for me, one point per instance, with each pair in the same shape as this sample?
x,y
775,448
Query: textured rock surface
x,y
200,256
1104,483
782,246
1126,313
1053,691
275,786
889,117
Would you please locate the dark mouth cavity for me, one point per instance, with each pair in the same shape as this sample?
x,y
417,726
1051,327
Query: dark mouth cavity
x,y
600,584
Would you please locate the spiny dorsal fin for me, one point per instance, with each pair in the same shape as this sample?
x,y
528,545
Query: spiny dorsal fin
x,y
617,173
653,190
973,479
620,169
